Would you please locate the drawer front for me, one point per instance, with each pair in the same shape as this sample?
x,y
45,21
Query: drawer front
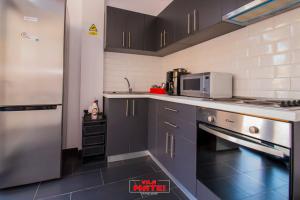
x,y
93,150
182,111
94,130
93,140
183,128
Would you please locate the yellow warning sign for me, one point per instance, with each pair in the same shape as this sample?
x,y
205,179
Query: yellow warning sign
x,y
93,30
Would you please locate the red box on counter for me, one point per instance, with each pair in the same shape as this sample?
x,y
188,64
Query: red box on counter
x,y
157,91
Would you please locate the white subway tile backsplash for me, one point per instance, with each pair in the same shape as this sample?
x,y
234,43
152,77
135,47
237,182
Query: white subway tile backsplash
x,y
295,84
275,59
281,84
277,34
264,59
285,71
296,56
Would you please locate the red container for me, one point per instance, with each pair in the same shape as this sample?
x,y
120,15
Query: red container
x,y
157,91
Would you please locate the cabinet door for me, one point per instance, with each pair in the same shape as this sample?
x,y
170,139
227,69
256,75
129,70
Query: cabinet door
x,y
185,163
167,25
209,13
163,144
150,33
116,28
118,130
182,17
135,30
152,126
138,125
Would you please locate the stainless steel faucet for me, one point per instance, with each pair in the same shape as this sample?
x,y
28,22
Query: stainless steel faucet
x,y
129,87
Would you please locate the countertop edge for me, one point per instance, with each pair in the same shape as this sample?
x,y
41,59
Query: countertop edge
x,y
273,113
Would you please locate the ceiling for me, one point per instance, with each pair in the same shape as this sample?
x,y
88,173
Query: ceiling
x,y
150,7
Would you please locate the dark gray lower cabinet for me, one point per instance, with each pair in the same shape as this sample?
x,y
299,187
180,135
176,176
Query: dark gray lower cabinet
x,y
175,149
126,125
152,126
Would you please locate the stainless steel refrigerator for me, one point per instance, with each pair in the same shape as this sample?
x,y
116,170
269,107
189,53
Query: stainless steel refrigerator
x,y
31,90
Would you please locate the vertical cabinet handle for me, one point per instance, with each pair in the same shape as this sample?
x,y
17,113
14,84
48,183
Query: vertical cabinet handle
x,y
123,40
188,23
127,107
133,108
129,40
161,39
165,37
195,20
167,143
172,146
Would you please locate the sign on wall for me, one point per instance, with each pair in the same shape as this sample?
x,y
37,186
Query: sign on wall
x,y
93,31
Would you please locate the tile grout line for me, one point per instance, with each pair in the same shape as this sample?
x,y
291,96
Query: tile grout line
x,y
36,191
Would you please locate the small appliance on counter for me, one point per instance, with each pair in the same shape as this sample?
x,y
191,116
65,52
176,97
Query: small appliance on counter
x,y
207,85
173,81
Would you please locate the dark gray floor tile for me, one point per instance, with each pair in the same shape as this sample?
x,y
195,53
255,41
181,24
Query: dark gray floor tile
x,y
19,193
114,191
225,190
169,196
114,164
214,171
69,184
269,177
267,196
179,194
125,172
59,197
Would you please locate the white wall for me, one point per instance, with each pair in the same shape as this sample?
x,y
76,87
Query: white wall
x,y
72,74
264,57
84,65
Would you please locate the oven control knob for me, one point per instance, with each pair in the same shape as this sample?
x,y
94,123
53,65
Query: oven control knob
x,y
210,119
254,130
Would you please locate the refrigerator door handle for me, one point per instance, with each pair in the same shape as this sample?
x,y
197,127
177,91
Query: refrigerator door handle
x,y
27,108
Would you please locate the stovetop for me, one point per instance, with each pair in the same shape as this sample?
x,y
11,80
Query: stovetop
x,y
290,104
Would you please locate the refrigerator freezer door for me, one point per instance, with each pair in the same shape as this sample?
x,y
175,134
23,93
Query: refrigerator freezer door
x,y
30,145
31,51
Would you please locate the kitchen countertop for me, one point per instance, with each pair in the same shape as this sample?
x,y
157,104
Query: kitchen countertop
x,y
266,112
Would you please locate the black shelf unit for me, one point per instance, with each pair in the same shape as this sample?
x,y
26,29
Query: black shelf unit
x,y
94,139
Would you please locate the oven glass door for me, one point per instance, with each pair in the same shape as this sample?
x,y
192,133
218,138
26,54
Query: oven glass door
x,y
236,167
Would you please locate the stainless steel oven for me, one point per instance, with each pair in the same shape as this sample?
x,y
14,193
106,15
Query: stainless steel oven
x,y
242,157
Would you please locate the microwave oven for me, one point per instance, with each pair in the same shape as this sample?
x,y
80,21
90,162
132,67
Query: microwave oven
x,y
207,85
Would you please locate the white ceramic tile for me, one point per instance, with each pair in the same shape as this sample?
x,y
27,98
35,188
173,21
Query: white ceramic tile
x,y
277,34
262,72
283,45
296,56
275,59
281,83
295,84
287,71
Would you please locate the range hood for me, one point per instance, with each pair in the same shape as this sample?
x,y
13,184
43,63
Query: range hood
x,y
258,10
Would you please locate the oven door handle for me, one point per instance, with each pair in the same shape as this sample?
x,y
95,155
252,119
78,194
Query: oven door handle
x,y
246,143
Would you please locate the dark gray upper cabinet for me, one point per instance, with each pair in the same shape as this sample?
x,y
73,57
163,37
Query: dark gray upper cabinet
x,y
135,30
125,29
116,28
230,5
150,33
182,24
126,125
